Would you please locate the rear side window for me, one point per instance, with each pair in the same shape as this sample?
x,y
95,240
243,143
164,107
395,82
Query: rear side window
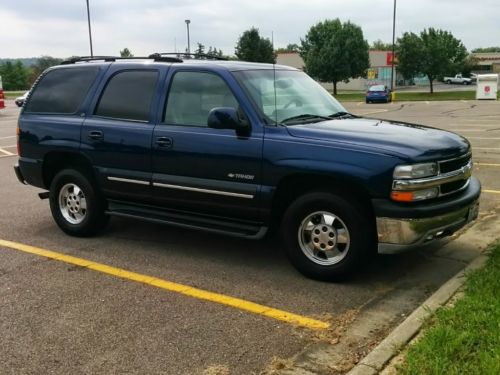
x,y
61,91
128,95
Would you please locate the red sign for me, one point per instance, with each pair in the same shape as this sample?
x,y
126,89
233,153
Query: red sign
x,y
486,88
388,59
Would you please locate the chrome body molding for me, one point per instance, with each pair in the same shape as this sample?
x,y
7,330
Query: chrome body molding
x,y
128,180
200,190
423,183
397,235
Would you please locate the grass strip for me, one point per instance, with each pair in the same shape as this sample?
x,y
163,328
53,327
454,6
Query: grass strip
x,y
414,96
464,338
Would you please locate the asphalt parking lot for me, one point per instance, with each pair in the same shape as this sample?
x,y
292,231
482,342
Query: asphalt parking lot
x,y
160,300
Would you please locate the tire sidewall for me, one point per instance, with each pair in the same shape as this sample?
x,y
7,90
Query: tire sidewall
x,y
355,219
95,211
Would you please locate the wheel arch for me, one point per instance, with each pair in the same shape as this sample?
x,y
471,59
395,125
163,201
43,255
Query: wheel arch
x,y
56,161
293,186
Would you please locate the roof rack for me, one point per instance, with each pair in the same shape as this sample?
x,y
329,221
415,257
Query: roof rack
x,y
179,55
154,56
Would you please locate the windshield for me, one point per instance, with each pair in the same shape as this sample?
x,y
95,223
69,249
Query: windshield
x,y
297,95
377,88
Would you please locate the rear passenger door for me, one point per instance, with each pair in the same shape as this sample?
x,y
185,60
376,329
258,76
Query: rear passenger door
x,y
204,170
117,136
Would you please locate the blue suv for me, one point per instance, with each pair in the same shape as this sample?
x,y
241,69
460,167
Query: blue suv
x,y
240,149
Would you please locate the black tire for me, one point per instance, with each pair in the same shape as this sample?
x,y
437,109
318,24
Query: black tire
x,y
360,230
367,101
92,217
448,82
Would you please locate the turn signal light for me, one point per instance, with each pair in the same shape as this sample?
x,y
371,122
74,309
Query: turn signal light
x,y
18,133
402,196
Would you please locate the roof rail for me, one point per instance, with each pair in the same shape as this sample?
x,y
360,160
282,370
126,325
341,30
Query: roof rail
x,y
189,55
155,57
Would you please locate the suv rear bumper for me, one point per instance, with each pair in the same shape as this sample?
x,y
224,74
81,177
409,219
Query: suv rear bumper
x,y
19,174
409,227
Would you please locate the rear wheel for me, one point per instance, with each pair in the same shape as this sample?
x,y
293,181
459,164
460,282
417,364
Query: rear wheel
x,y
327,236
76,205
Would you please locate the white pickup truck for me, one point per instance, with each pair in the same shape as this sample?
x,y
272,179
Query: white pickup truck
x,y
457,79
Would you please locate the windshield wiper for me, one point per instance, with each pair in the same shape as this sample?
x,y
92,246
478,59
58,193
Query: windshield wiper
x,y
342,114
303,118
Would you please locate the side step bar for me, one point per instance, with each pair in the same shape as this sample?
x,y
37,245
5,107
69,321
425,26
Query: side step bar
x,y
187,220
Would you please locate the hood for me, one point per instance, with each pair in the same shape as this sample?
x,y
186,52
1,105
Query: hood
x,y
407,141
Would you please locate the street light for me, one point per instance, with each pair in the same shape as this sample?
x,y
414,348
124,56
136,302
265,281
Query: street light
x,y
90,31
393,40
189,45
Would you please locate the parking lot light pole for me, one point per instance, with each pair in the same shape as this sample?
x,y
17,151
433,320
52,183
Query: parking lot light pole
x,y
189,45
393,42
90,31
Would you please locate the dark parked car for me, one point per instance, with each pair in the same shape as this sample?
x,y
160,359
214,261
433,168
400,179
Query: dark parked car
x,y
239,149
378,93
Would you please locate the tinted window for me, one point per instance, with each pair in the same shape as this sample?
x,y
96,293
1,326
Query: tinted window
x,y
61,90
193,95
128,95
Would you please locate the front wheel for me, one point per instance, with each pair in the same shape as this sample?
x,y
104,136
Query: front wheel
x,y
327,236
76,204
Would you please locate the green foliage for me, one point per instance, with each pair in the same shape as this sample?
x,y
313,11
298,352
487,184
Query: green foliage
x,y
291,47
434,53
335,51
42,64
199,51
252,47
486,49
463,339
126,53
379,45
15,76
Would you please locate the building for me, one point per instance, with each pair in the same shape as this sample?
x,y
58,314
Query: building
x,y
379,72
487,62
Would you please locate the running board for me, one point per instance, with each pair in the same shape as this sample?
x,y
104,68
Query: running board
x,y
187,220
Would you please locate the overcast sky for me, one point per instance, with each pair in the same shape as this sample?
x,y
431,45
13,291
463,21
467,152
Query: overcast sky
x,y
58,28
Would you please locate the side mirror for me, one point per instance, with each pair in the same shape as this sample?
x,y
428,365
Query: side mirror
x,y
227,118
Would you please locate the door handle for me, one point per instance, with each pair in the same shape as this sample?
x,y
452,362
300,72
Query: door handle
x,y
96,135
166,142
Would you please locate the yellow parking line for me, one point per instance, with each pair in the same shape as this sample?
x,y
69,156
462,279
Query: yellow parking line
x,y
487,164
491,191
172,287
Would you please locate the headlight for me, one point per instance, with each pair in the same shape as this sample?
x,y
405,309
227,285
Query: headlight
x,y
415,171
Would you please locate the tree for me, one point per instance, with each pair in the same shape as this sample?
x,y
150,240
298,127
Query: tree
x,y
126,53
335,51
252,47
42,64
486,49
200,51
434,53
379,45
290,48
14,75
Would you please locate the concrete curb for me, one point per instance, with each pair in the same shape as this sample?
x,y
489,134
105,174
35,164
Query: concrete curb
x,y
378,358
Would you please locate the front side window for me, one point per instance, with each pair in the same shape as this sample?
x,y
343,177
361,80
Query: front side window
x,y
128,95
193,95
61,91
282,95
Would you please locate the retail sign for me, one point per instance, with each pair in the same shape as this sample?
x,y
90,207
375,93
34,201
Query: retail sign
x,y
389,59
372,74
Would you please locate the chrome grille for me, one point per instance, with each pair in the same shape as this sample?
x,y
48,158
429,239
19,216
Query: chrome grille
x,y
451,165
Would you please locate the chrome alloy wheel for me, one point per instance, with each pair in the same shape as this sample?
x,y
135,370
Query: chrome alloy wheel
x,y
72,203
324,238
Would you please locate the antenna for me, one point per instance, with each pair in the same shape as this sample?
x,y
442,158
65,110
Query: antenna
x,y
274,82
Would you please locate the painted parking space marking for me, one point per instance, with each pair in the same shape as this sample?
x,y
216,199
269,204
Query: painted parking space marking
x,y
170,286
9,137
487,164
490,191
5,152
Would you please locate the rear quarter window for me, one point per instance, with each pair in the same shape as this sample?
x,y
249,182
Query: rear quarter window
x,y
128,95
61,91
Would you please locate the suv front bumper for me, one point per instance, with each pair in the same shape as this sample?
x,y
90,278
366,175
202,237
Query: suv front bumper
x,y
401,228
